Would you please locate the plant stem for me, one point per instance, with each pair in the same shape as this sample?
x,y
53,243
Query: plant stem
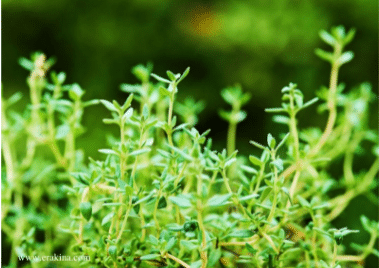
x,y
125,219
334,254
211,182
177,260
235,199
294,183
369,177
203,253
170,110
349,156
156,210
20,226
366,252
81,224
341,202
331,103
252,240
122,155
293,128
8,153
226,181
142,216
274,202
231,139
269,240
52,142
314,244
111,227
136,159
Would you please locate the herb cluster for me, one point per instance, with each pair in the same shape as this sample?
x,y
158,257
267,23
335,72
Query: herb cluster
x,y
162,197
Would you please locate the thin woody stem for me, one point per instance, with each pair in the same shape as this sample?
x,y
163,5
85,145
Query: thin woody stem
x,y
177,260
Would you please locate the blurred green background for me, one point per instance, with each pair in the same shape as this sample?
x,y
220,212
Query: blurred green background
x,y
263,45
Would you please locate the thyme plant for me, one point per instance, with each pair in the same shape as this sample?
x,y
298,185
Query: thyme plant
x,y
161,196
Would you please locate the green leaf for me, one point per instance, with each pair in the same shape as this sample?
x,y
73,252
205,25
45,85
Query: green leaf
x,y
81,177
180,201
108,151
130,88
196,264
366,223
229,162
91,102
115,104
140,151
339,32
240,116
110,121
181,153
75,92
299,101
265,193
109,105
258,145
112,204
274,110
282,141
107,218
127,102
241,234
113,252
324,55
25,63
162,203
61,77
62,131
128,114
281,119
163,91
174,227
256,161
321,206
251,249
214,257
249,169
285,190
225,115
184,75
86,210
248,197
309,103
271,141
153,240
218,200
349,36
149,257
142,72
145,111
328,38
346,57
144,198
190,226
161,79
14,98
303,202
171,243
171,75
188,245
278,163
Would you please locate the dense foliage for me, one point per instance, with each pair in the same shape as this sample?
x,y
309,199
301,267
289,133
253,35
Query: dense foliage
x,y
161,196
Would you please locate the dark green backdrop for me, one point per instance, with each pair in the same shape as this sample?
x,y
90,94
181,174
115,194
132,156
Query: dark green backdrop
x,y
263,45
